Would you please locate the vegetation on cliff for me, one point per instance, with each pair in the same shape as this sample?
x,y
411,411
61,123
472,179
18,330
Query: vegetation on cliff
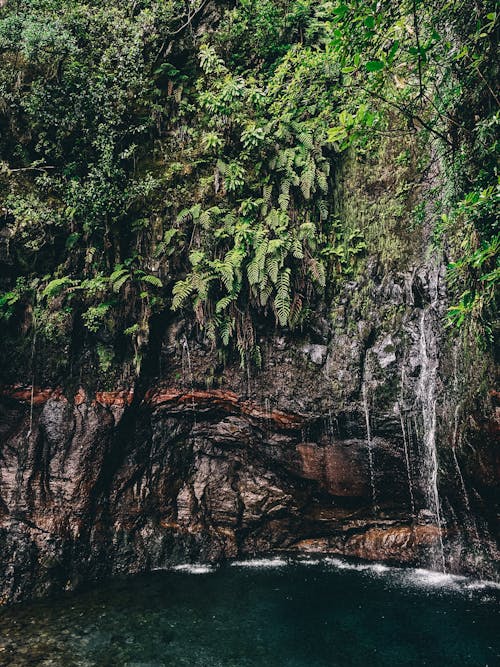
x,y
166,155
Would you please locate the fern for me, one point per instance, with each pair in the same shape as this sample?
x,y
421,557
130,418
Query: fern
x,y
152,280
306,139
266,289
297,250
282,298
323,209
317,270
267,192
226,329
253,272
307,179
307,232
223,303
119,277
118,273
272,268
181,291
205,219
284,197
183,216
56,286
295,311
322,181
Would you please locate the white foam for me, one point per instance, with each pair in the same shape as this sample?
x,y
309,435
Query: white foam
x,y
378,568
260,563
434,579
482,583
308,561
345,565
194,568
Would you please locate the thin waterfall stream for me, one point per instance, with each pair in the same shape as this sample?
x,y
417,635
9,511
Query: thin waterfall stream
x,y
406,445
470,523
426,393
370,449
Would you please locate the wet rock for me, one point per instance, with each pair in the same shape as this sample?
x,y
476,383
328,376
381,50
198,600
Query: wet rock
x,y
117,482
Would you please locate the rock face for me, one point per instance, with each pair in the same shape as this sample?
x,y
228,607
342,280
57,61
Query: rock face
x,y
338,445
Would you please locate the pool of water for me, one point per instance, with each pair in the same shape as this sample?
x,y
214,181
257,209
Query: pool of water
x,y
265,613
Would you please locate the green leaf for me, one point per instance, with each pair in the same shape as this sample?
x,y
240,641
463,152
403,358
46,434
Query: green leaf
x,y
152,280
374,66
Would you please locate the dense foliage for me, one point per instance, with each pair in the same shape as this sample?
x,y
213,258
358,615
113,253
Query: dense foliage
x,y
160,154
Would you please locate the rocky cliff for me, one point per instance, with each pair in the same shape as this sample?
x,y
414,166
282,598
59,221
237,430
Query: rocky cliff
x,y
355,440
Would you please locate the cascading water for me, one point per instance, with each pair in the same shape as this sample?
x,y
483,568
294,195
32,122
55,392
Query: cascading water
x,y
370,448
470,523
426,396
406,444
186,352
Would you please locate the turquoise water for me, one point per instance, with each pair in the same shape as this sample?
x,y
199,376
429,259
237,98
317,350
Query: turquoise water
x,y
263,613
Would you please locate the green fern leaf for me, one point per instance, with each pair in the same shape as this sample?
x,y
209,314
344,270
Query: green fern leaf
x,y
181,291
152,280
282,298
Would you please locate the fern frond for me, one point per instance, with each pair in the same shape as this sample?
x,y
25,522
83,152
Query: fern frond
x,y
253,272
297,250
267,192
322,181
181,291
272,268
118,283
266,289
118,273
284,197
282,298
223,303
323,209
226,329
56,286
307,180
306,138
152,280
317,270
295,310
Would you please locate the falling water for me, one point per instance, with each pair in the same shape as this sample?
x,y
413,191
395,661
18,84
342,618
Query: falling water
x,y
426,393
454,450
185,350
407,460
267,408
405,443
470,521
370,449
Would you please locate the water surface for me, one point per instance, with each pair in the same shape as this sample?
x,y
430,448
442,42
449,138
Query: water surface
x,y
261,613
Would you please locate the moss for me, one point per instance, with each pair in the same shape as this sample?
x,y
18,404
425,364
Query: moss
x,y
377,193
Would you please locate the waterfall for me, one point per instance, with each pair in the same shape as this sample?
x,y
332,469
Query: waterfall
x,y
185,350
370,449
405,442
407,462
470,522
426,395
